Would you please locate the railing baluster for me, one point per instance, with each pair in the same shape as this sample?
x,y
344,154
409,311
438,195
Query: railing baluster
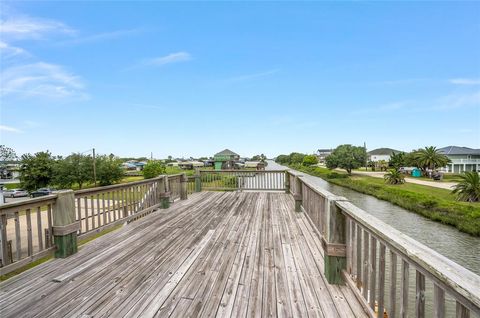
x,y
420,295
366,260
381,281
4,240
393,285
462,311
404,289
438,302
50,226
373,273
353,248
79,213
103,210
28,216
359,257
99,220
18,240
39,228
348,242
87,225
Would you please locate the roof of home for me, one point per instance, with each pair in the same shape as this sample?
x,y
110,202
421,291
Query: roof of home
x,y
455,150
226,152
383,151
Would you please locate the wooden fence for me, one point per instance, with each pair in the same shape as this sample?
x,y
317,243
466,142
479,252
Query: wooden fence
x,y
26,227
392,274
229,180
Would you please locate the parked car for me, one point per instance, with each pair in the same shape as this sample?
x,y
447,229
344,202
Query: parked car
x,y
15,193
42,191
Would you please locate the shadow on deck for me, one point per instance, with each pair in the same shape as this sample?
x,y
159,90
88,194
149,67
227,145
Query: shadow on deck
x,y
225,254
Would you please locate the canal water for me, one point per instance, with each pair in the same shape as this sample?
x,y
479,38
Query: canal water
x,y
460,247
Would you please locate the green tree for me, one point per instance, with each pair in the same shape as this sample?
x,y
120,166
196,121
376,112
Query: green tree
x,y
397,160
36,170
296,158
109,169
469,188
153,169
283,159
74,169
430,158
347,157
394,177
310,160
7,155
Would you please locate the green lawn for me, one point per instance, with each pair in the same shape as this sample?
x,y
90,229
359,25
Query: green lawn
x,y
437,204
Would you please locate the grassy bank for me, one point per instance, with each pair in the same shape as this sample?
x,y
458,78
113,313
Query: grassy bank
x,y
434,203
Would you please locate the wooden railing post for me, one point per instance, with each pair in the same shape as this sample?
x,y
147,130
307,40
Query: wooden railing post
x,y
183,186
198,180
164,193
287,182
297,196
65,226
334,241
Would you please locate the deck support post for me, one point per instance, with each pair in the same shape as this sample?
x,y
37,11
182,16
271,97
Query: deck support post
x,y
65,226
297,196
183,186
334,241
198,180
164,193
287,182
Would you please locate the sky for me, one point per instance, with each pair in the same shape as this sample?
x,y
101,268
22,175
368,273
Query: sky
x,y
191,79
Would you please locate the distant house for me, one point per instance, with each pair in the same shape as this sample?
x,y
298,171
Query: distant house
x,y
380,154
189,165
322,154
462,159
225,159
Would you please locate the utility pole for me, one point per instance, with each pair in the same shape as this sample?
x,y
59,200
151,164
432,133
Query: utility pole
x,y
151,155
94,168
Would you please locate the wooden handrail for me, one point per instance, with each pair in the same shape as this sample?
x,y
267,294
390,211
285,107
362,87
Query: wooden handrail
x,y
451,276
348,232
25,204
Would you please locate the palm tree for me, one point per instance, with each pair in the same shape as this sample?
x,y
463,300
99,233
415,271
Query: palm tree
x,y
469,188
393,176
430,158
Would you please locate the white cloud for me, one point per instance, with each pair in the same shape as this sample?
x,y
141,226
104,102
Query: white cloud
x,y
465,81
443,103
9,129
455,101
168,59
41,80
8,52
25,27
253,76
100,37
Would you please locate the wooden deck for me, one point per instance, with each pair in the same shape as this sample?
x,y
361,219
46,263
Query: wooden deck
x,y
225,254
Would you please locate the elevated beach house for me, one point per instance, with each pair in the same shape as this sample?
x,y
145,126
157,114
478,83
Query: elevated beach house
x,y
462,159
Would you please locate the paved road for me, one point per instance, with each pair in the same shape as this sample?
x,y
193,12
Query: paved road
x,y
435,184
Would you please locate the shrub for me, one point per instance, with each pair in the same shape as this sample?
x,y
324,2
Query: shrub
x,y
310,160
153,169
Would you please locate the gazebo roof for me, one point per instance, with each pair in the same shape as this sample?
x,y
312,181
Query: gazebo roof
x,y
226,152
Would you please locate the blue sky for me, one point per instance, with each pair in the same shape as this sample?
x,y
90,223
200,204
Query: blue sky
x,y
184,79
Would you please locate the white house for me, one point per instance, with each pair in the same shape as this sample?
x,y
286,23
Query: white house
x,y
380,154
462,159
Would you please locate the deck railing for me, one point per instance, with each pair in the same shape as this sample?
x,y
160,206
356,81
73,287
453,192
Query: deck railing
x,y
391,273
107,206
228,180
26,231
27,227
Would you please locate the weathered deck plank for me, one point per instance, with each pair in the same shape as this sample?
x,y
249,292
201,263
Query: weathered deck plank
x,y
215,254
